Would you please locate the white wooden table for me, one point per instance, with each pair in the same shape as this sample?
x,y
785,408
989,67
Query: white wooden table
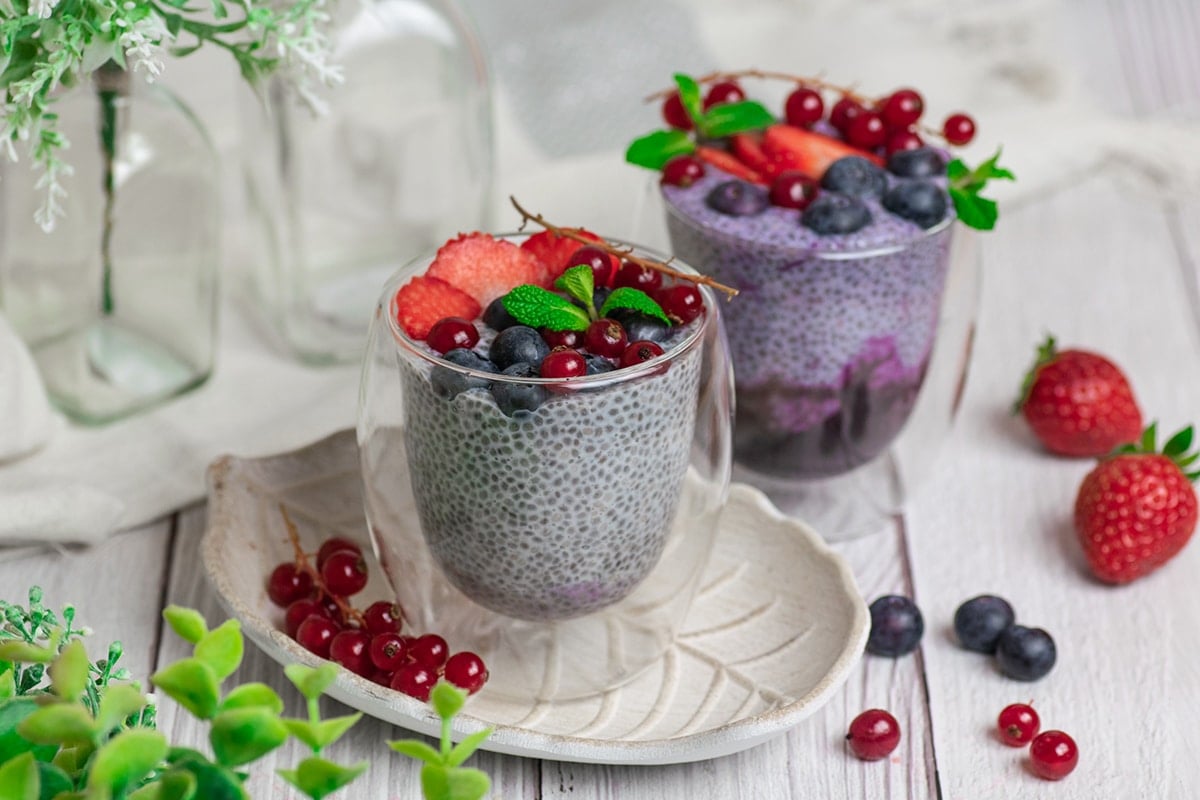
x,y
1105,265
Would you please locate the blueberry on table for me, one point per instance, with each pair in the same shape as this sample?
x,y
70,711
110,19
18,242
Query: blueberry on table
x,y
923,162
519,344
979,622
450,383
1025,654
918,201
834,213
738,199
896,626
514,397
854,176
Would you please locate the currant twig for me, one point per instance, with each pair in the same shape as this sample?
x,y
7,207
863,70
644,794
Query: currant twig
x,y
625,253
304,565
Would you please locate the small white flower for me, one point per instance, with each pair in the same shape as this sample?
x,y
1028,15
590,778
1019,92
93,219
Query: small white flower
x,y
43,8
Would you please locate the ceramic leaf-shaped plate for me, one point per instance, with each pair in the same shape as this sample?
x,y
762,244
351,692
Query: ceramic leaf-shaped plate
x,y
773,632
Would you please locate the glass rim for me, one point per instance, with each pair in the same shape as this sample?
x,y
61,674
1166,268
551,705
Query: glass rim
x,y
615,376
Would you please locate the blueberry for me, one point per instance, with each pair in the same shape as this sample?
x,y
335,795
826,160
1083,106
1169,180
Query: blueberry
x,y
597,364
514,397
923,162
496,316
896,626
835,213
920,201
1025,654
518,344
854,176
639,327
979,622
738,199
449,383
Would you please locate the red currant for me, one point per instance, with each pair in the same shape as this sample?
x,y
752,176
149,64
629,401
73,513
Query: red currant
x,y
681,303
639,352
429,651
316,634
570,339
388,651
451,333
383,617
902,108
382,677
723,92
414,680
332,610
793,189
466,671
349,648
563,364
873,734
675,114
299,611
638,277
682,171
866,131
602,264
344,573
958,129
333,545
287,584
605,337
902,140
1053,755
803,107
1018,724
843,111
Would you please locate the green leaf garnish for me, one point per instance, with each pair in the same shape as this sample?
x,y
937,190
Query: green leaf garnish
x,y
655,149
965,185
635,299
726,119
580,282
689,95
540,308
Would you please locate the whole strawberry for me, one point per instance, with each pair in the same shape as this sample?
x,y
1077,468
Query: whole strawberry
x,y
1078,403
1137,508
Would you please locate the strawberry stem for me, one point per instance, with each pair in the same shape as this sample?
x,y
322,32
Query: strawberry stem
x,y
1046,352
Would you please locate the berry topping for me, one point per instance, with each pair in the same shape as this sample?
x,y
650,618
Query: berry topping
x,y
513,397
563,364
729,163
349,648
554,252
809,152
597,365
867,131
388,651
496,316
835,213
723,92
383,617
635,276
979,622
429,651
922,162
335,544
344,573
414,680
748,150
570,339
738,199
682,171
1053,755
640,352
466,671
803,107
873,735
681,303
450,333
485,267
901,108
896,626
424,300
299,611
603,265
674,114
1018,724
519,344
316,634
449,383
288,584
1025,654
793,189
639,327
843,112
917,201
902,140
854,176
606,337
959,129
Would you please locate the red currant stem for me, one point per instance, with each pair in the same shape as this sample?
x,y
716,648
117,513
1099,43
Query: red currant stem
x,y
304,565
625,253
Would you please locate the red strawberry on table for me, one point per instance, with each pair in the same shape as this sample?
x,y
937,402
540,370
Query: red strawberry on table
x,y
485,267
554,252
423,301
1137,508
1078,403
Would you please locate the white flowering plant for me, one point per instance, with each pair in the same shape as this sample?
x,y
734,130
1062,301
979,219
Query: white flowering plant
x,y
46,45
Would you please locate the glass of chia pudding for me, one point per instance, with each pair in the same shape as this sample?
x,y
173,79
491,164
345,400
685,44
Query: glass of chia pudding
x,y
546,500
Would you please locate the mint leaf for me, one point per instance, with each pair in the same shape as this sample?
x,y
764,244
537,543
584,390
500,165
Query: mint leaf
x,y
539,308
689,94
974,211
655,149
726,119
956,170
579,282
635,299
965,185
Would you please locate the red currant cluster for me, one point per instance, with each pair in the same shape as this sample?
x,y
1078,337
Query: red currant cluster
x,y
368,642
1052,754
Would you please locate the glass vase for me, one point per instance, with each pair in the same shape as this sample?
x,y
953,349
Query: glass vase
x,y
118,303
400,161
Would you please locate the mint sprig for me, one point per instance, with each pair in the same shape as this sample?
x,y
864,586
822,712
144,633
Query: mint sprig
x,y
539,308
973,209
580,282
635,299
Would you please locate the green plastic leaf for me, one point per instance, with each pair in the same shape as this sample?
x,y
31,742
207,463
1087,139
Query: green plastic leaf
x,y
311,681
19,778
252,695
579,282
242,735
118,703
305,731
414,748
541,308
212,782
447,700
467,747
8,686
175,784
69,672
442,783
726,119
187,622
689,94
53,782
1179,443
222,648
61,723
322,733
25,653
636,299
655,149
72,759
192,684
127,758
317,777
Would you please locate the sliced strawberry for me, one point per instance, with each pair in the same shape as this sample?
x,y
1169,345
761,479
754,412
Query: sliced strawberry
x,y
485,267
554,252
424,300
728,163
813,152
748,149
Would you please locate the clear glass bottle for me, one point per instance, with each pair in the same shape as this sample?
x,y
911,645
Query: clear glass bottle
x,y
119,302
401,161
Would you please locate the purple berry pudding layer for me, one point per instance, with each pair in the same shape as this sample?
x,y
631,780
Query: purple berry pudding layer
x,y
830,334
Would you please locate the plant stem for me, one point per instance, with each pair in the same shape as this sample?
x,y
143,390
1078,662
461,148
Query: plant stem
x,y
111,78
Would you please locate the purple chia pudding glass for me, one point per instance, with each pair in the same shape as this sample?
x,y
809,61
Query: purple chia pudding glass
x,y
562,544
832,339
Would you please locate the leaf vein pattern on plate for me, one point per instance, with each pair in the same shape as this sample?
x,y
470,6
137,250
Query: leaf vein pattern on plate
x,y
666,692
